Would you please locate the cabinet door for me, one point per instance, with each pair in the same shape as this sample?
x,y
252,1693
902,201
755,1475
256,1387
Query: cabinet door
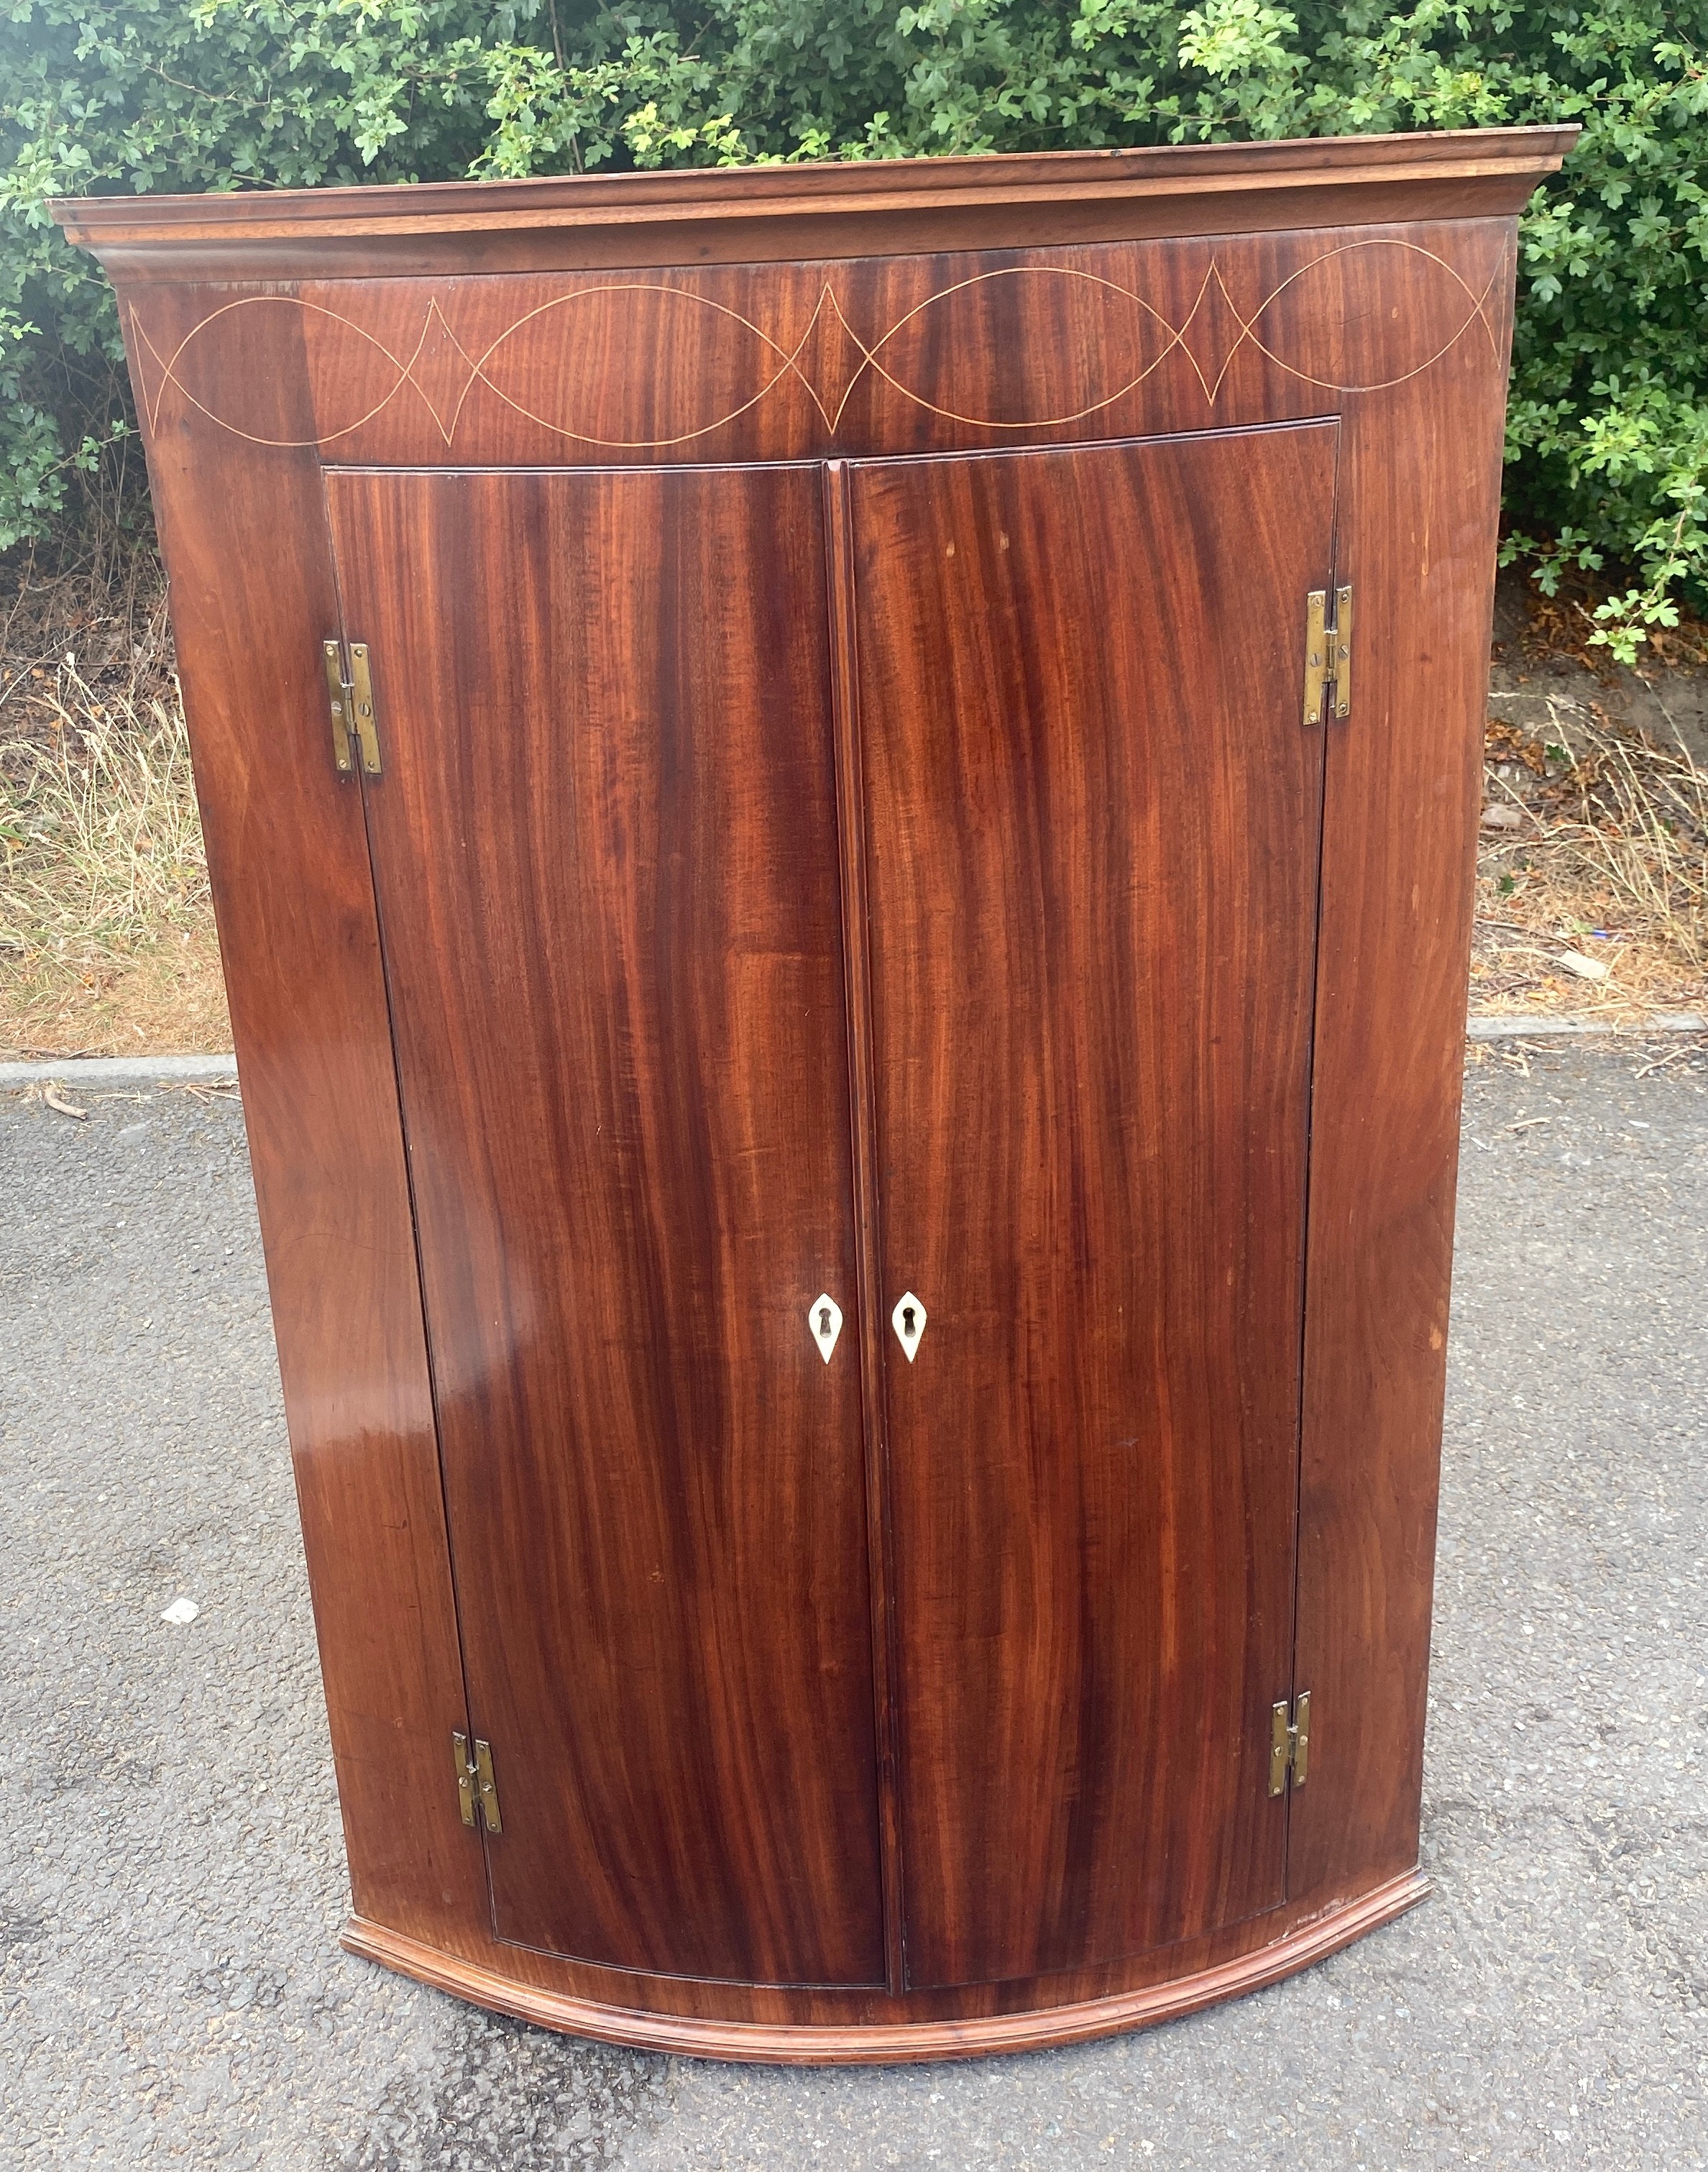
x,y
605,849
1093,819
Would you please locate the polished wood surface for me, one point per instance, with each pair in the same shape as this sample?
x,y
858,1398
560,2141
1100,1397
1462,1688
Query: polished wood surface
x,y
770,214
299,940
1420,500
660,707
880,355
868,1322
605,856
895,2043
1092,834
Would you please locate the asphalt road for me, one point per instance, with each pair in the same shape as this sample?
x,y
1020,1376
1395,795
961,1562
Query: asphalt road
x,y
170,1992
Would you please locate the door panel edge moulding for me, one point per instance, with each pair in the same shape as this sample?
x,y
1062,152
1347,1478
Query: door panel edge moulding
x,y
715,872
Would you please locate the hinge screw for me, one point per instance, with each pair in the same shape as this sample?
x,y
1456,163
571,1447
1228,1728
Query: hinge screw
x,y
1290,1743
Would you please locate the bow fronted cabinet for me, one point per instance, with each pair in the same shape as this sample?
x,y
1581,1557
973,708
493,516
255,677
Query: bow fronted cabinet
x,y
841,803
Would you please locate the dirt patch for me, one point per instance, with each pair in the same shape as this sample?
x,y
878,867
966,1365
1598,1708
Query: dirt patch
x,y
1542,659
1592,872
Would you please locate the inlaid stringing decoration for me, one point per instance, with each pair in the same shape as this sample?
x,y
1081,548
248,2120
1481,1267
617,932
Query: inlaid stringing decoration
x,y
788,361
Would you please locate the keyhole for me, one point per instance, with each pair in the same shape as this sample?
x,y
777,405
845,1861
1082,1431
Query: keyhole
x,y
908,1319
824,1323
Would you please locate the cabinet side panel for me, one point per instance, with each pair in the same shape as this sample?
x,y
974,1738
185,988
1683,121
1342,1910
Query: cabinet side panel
x,y
1420,499
243,532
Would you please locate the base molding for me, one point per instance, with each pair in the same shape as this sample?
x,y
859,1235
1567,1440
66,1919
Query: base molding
x,y
889,2043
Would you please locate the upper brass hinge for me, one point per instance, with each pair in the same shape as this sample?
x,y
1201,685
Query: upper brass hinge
x,y
1289,1743
350,690
475,1782
1327,655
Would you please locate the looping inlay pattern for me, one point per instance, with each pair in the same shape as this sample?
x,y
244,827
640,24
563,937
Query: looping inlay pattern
x,y
1203,339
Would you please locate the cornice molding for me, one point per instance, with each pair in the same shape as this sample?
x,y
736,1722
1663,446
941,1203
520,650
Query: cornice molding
x,y
768,214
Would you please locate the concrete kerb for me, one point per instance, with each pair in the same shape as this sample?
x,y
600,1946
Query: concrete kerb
x,y
138,1070
1538,1028
97,1071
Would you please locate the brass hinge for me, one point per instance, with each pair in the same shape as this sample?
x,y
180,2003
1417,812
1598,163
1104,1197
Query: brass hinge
x,y
1327,655
350,690
1289,1743
475,1783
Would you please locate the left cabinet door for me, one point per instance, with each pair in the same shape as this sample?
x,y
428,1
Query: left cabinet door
x,y
605,849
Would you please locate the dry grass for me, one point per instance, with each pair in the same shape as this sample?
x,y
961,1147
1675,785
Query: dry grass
x,y
1605,861
106,931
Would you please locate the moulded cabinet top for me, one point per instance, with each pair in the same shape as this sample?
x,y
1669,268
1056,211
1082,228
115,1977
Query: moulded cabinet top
x,y
836,208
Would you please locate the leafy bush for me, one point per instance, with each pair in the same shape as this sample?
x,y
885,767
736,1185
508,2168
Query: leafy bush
x,y
1609,431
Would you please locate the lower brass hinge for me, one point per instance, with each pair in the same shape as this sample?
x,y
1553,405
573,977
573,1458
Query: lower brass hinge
x,y
350,690
1289,1743
475,1783
1327,655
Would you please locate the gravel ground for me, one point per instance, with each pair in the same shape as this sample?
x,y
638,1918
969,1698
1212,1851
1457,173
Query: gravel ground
x,y
169,1987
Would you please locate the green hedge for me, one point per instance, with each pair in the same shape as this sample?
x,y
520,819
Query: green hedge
x,y
1608,435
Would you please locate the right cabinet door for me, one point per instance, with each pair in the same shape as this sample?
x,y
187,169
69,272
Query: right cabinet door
x,y
1093,823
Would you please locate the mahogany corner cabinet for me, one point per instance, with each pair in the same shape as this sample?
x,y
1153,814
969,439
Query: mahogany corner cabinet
x,y
840,801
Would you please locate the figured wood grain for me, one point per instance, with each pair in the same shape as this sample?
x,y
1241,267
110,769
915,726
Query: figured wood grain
x,y
891,354
868,1319
1092,817
604,847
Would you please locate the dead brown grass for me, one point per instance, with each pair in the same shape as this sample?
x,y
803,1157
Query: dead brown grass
x,y
1592,892
106,929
